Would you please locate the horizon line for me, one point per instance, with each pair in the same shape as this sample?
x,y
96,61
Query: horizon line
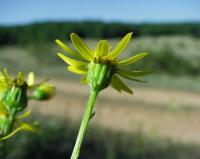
x,y
101,21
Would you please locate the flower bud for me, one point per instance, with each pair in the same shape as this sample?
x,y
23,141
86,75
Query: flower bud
x,y
3,92
3,118
100,75
16,98
44,92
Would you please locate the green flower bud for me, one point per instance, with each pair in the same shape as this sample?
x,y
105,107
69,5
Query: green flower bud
x,y
3,118
16,98
44,92
3,92
100,74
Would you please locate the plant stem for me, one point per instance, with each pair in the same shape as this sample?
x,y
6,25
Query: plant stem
x,y
84,124
10,121
1,150
6,130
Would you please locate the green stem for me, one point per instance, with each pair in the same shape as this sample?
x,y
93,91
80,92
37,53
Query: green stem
x,y
9,124
84,124
1,149
6,130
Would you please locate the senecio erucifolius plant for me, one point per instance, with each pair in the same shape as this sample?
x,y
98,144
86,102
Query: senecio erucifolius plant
x,y
100,68
14,96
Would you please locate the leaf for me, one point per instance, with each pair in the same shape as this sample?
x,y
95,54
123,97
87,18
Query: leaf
x,y
23,126
117,84
11,134
120,46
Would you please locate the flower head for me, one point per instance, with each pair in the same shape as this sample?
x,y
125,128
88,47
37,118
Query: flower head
x,y
101,67
13,91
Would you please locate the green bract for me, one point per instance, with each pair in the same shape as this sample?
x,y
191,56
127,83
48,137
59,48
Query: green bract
x,y
101,67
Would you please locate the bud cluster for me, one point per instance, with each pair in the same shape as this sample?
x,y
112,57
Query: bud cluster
x,y
14,97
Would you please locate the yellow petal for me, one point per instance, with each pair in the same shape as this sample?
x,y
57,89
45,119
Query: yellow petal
x,y
77,70
84,80
66,49
133,59
102,48
31,79
20,78
120,47
81,47
134,73
130,77
8,79
28,127
117,84
72,62
24,115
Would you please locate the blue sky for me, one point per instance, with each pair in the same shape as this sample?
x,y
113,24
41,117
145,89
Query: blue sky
x,y
26,11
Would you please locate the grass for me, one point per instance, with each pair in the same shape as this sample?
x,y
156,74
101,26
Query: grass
x,y
57,139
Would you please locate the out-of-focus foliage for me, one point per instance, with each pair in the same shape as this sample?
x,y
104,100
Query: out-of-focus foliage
x,y
49,31
174,55
57,139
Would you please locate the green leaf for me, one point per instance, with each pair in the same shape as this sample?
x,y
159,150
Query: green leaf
x,y
120,46
81,47
117,84
102,48
133,59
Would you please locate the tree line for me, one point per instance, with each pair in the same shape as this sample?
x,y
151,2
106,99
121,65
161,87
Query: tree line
x,y
49,31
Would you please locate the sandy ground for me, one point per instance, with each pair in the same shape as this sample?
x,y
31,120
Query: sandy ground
x,y
168,113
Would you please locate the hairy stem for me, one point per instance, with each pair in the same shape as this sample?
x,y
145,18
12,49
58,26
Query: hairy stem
x,y
84,124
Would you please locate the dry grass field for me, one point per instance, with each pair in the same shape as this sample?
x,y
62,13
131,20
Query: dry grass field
x,y
172,114
168,106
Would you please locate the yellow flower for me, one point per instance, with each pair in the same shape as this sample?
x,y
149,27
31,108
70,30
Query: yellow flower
x,y
101,67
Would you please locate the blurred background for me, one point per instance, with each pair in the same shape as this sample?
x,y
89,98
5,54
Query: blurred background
x,y
161,120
